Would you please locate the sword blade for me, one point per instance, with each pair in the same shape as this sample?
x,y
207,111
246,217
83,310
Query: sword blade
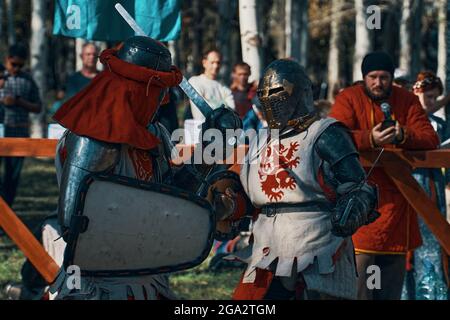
x,y
188,89
129,19
196,98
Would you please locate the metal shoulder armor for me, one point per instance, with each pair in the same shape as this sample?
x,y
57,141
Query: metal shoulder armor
x,y
341,159
335,143
84,156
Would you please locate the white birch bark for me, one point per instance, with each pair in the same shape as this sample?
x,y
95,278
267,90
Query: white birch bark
x,y
38,52
250,38
405,37
363,44
333,55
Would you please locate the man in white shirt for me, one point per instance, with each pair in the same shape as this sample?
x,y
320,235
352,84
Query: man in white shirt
x,y
206,84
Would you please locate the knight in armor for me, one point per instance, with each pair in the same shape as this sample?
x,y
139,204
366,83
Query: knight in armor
x,y
310,195
111,131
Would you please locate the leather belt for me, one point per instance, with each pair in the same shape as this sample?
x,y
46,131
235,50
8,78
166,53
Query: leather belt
x,y
272,209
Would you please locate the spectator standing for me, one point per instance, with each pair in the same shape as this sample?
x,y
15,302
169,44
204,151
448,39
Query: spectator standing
x,y
244,93
386,241
207,85
79,79
19,96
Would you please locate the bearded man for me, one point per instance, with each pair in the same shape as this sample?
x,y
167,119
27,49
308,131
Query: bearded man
x,y
386,241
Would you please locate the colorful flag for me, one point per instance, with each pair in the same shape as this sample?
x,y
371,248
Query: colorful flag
x,y
99,20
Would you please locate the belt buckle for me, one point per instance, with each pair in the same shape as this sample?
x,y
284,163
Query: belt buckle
x,y
271,212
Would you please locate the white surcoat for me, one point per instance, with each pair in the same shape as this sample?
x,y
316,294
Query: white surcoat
x,y
286,172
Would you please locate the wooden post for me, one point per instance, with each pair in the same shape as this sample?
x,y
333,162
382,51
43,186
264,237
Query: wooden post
x,y
26,242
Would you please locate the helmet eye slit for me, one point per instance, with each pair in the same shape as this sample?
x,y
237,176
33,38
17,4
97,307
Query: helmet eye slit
x,y
275,90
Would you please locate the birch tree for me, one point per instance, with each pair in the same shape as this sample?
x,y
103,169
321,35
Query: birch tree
x,y
78,49
225,8
405,37
197,36
416,40
446,3
304,32
443,71
410,46
363,44
38,51
70,59
333,55
173,48
442,42
250,38
442,48
296,29
1,18
10,20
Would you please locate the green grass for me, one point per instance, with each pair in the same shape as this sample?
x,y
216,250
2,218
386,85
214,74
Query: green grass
x,y
37,197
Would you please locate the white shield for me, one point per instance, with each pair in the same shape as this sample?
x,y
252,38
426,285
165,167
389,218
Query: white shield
x,y
139,228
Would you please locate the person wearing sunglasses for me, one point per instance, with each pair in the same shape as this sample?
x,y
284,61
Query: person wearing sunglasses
x,y
19,96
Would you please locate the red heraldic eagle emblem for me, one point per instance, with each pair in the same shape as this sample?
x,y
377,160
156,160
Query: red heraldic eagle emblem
x,y
274,169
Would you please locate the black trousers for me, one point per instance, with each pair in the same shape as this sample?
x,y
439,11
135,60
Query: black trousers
x,y
392,274
11,177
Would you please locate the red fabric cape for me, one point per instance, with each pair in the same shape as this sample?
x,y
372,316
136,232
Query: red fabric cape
x,y
118,104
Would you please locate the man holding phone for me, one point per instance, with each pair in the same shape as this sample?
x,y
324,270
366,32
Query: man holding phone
x,y
19,95
379,114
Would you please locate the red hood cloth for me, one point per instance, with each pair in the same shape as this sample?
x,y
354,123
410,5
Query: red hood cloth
x,y
119,103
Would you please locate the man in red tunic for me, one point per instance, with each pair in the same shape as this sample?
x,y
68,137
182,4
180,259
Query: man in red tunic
x,y
385,242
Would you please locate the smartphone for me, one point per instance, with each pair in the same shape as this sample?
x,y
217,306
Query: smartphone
x,y
387,124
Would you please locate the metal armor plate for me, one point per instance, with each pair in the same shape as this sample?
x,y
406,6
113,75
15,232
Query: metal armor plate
x,y
124,227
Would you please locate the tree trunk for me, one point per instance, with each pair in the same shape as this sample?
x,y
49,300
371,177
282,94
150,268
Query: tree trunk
x,y
172,46
333,55
225,8
78,48
197,36
442,49
442,42
10,19
290,26
304,32
390,25
447,45
70,60
443,71
2,6
38,52
363,44
101,45
405,37
296,29
250,38
416,45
